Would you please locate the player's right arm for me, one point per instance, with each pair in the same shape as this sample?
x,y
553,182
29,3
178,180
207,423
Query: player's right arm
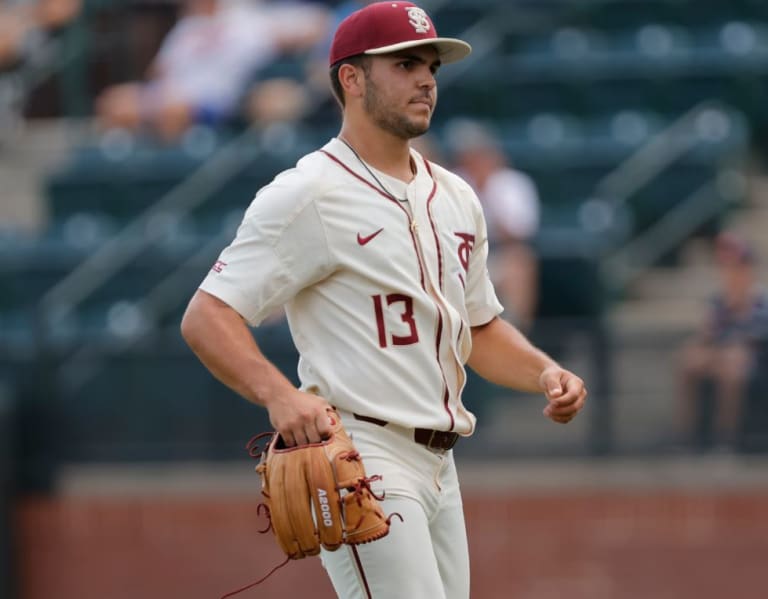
x,y
224,344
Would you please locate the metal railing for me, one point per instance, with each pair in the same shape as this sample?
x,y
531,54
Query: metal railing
x,y
138,235
707,121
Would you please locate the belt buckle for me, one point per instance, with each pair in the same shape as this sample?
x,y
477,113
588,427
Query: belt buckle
x,y
432,438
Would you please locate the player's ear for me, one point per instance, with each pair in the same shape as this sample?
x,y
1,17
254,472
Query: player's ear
x,y
352,80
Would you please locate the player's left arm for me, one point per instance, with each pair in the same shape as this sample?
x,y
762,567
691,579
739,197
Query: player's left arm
x,y
502,355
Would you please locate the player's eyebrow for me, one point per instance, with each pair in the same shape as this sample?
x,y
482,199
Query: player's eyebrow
x,y
436,64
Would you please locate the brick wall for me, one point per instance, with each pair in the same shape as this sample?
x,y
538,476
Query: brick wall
x,y
580,546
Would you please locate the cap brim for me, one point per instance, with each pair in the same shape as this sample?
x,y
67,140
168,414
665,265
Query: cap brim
x,y
449,49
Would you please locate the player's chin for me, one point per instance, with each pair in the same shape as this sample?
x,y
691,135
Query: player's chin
x,y
419,126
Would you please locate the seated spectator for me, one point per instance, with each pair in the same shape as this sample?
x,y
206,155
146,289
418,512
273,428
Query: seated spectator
x,y
25,23
204,66
722,352
306,95
511,204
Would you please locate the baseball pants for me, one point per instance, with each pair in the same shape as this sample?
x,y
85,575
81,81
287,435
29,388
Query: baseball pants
x,y
426,554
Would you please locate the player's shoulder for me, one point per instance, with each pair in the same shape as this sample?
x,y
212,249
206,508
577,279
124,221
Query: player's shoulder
x,y
312,173
307,180
307,173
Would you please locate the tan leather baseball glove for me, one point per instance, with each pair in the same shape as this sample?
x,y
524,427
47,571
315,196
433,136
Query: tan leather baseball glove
x,y
318,494
315,496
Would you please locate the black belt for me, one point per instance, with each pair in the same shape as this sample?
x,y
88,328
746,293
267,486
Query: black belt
x,y
424,436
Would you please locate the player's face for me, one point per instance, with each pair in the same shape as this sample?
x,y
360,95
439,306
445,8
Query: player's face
x,y
401,91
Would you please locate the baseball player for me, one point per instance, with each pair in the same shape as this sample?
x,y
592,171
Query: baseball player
x,y
379,258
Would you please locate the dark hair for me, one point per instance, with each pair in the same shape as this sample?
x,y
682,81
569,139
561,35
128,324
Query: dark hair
x,y
359,60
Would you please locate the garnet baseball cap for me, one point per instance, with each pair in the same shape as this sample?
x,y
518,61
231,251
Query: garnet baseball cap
x,y
384,27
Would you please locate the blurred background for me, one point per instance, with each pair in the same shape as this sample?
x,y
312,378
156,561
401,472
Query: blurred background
x,y
619,150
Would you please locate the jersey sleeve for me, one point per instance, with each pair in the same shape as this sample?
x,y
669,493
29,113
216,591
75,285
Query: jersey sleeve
x,y
280,248
481,301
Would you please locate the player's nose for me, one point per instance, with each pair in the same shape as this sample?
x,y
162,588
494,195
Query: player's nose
x,y
426,79
429,81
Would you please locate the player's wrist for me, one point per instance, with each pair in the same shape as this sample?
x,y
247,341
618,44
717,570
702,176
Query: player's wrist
x,y
268,387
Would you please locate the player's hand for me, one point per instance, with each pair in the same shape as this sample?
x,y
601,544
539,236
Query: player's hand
x,y
300,418
565,393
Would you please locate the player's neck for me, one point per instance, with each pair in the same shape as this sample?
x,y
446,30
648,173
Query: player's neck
x,y
384,152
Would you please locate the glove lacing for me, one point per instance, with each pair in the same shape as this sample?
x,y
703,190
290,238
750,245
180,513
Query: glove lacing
x,y
364,484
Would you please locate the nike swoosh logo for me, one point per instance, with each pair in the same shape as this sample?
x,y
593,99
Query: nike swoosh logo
x,y
363,240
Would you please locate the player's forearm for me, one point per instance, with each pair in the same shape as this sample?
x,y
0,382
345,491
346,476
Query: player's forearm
x,y
224,344
502,355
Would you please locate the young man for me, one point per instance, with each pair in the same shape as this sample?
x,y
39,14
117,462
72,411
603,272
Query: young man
x,y
724,350
380,260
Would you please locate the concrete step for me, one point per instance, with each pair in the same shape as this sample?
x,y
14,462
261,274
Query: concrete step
x,y
676,285
657,316
26,157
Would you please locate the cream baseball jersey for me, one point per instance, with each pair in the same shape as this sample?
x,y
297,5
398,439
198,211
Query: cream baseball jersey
x,y
381,282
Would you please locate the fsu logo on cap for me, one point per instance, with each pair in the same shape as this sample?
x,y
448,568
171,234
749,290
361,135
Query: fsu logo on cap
x,y
418,19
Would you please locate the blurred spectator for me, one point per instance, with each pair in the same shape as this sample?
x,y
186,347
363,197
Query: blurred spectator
x,y
317,103
206,62
723,351
511,204
25,23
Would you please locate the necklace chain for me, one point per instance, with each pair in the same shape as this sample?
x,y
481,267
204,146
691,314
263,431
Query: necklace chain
x,y
371,173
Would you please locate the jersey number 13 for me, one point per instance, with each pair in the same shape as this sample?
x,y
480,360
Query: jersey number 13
x,y
406,315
